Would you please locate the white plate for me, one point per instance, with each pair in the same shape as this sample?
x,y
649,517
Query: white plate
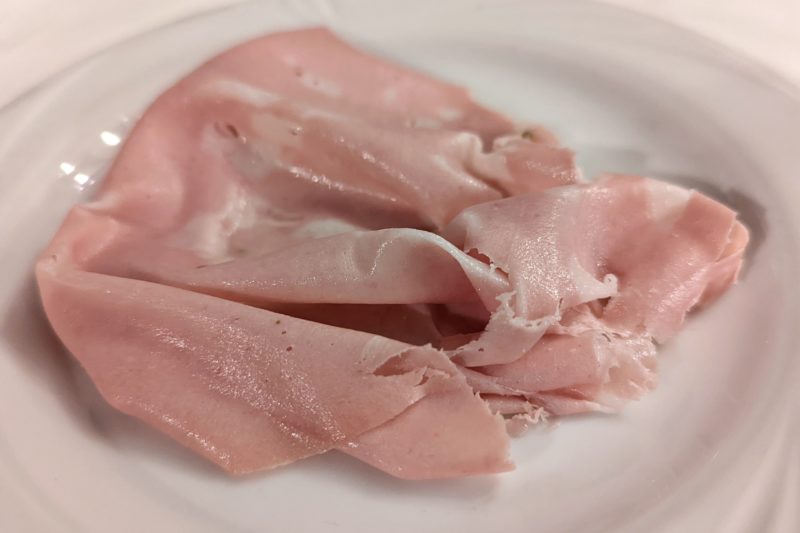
x,y
715,448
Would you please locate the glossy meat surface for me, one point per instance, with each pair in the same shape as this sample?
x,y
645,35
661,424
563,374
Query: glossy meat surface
x,y
303,248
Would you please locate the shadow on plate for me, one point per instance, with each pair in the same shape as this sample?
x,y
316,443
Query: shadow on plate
x,y
362,477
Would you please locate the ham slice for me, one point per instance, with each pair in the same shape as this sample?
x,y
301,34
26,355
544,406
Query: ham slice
x,y
303,248
626,259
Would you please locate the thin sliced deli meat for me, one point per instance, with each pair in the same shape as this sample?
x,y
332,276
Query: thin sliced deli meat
x,y
303,248
251,389
635,256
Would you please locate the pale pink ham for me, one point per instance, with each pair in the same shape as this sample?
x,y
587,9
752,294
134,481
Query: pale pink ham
x,y
445,425
357,267
315,66
661,277
666,249
591,371
251,389
652,248
303,248
529,166
217,175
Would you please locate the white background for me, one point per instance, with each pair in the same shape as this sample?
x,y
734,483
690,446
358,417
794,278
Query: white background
x,y
40,37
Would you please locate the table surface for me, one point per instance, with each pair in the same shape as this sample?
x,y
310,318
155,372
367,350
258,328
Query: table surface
x,y
40,37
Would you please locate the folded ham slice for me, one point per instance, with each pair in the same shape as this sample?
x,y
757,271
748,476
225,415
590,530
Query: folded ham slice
x,y
302,248
610,266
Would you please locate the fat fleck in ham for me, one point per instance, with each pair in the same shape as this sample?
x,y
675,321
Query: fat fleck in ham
x,y
302,248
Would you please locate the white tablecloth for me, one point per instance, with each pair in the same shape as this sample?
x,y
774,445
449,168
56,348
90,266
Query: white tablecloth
x,y
41,37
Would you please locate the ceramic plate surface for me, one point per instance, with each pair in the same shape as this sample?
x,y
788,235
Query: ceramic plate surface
x,y
714,448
